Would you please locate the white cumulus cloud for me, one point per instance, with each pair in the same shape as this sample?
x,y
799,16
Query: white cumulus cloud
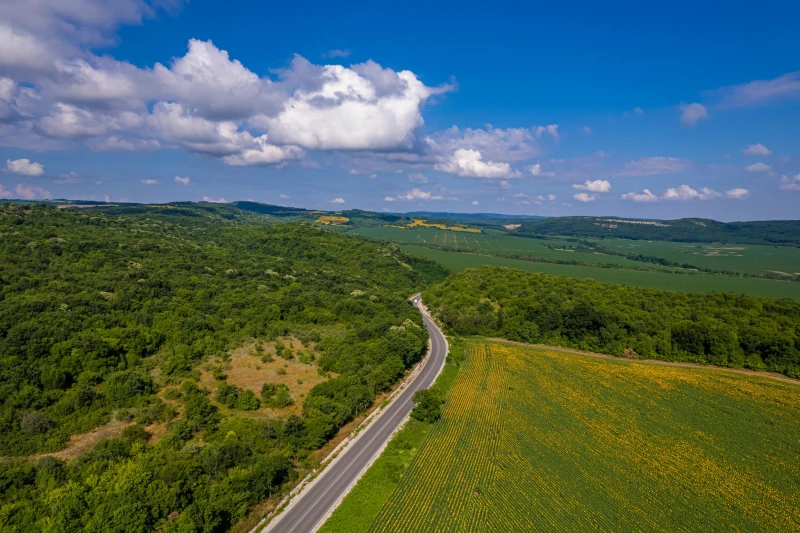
x,y
337,201
685,193
32,192
593,186
757,149
644,196
790,184
24,167
737,194
758,167
213,200
692,113
470,164
182,181
585,197
150,182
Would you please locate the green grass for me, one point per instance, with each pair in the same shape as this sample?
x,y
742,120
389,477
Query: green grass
x,y
747,258
458,261
540,440
360,507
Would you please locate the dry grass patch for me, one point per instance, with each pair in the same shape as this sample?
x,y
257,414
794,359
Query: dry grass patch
x,y
246,370
81,444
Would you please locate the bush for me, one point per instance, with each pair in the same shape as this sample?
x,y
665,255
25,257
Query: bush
x,y
428,406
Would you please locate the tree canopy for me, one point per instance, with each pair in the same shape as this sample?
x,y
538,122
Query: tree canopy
x,y
101,310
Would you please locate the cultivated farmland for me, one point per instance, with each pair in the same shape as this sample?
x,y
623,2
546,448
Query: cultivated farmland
x,y
495,244
747,258
540,440
687,282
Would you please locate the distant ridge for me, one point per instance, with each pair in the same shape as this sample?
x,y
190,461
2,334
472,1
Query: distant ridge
x,y
767,232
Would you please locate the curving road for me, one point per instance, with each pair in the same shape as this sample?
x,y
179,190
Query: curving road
x,y
308,510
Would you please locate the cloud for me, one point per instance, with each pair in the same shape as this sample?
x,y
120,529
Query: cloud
x,y
644,196
67,179
585,197
790,184
593,186
285,197
651,166
336,53
182,181
4,193
536,170
685,193
587,130
504,184
475,202
204,101
417,178
24,167
758,167
638,110
551,130
760,91
692,113
512,144
551,197
737,194
757,149
114,143
388,199
32,192
150,182
337,201
470,164
213,200
364,107
418,194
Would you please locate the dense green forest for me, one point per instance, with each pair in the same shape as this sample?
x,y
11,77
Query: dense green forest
x,y
722,329
769,232
101,310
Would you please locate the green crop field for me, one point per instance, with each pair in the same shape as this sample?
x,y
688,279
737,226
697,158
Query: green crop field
x,y
458,261
540,440
751,259
495,244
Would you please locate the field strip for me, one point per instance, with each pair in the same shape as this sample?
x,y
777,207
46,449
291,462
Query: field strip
x,y
655,362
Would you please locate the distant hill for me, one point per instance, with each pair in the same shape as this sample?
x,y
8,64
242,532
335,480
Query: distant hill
x,y
768,232
468,216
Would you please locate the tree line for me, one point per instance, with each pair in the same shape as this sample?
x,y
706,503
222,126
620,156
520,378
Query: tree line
x,y
723,329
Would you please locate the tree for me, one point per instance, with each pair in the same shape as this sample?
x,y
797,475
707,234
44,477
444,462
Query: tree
x,y
428,406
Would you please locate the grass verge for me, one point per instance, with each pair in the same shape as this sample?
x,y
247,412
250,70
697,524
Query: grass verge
x,y
360,507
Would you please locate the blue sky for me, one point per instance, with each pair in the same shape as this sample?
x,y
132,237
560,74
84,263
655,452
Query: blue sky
x,y
658,109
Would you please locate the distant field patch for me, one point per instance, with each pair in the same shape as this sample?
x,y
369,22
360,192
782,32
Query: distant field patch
x,y
747,258
458,261
333,220
538,440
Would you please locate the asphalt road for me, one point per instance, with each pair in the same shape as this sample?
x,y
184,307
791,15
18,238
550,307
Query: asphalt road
x,y
306,513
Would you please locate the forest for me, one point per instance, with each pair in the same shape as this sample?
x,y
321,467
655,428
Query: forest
x,y
723,329
99,311
768,232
